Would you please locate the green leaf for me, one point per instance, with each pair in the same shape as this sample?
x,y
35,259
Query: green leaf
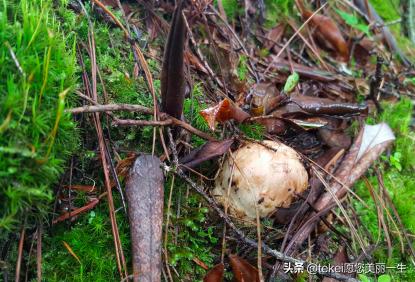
x,y
364,278
384,278
291,82
353,21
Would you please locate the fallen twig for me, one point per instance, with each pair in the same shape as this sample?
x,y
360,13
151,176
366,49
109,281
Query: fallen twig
x,y
164,118
75,212
20,251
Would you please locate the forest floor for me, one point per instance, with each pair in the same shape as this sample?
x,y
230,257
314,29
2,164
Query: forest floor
x,y
83,94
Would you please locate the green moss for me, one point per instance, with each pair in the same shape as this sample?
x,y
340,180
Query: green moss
x,y
254,131
194,239
389,11
397,170
276,10
36,137
91,240
231,7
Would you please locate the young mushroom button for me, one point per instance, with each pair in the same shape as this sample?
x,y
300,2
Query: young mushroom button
x,y
261,176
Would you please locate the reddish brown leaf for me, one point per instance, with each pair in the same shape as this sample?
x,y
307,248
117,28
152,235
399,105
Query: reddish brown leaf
x,y
206,152
144,193
326,32
243,271
215,274
224,111
194,61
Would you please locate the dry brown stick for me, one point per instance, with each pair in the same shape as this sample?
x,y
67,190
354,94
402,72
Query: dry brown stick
x,y
164,118
20,252
97,108
113,17
39,253
168,121
76,212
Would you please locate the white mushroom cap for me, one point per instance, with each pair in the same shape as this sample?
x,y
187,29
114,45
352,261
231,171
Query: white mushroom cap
x,y
257,175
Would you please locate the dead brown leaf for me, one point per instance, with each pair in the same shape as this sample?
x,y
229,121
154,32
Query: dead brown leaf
x,y
243,271
215,274
207,151
224,111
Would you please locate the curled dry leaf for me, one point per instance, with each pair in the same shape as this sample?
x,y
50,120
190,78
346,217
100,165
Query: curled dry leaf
x,y
207,151
314,105
326,32
194,61
242,270
224,111
215,274
374,135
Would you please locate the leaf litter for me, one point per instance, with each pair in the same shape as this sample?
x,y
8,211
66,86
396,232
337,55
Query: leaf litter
x,y
312,88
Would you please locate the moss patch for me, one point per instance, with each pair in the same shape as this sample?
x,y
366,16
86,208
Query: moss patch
x,y
37,77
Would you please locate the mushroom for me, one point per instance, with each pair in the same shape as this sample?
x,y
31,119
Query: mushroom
x,y
267,175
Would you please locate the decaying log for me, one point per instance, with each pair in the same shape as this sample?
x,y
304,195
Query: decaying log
x,y
144,192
